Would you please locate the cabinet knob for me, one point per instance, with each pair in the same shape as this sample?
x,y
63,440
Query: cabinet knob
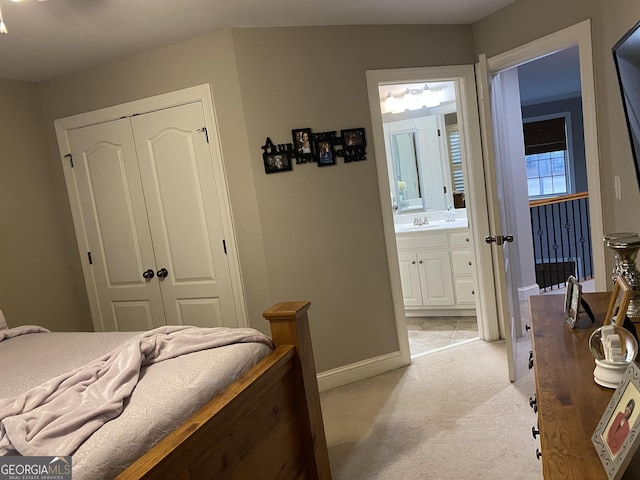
x,y
538,453
470,263
467,239
535,432
473,292
413,262
420,261
162,273
527,327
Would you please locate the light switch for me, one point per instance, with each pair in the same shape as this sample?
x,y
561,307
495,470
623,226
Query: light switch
x,y
616,186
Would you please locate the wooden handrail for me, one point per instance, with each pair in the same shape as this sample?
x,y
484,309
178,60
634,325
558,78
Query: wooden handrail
x,y
561,199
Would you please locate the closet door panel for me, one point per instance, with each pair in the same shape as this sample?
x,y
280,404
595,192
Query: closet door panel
x,y
114,216
184,217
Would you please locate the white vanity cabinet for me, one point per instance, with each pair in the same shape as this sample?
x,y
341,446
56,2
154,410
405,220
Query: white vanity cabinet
x,y
436,270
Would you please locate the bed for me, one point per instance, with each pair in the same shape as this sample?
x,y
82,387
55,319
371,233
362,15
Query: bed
x,y
266,424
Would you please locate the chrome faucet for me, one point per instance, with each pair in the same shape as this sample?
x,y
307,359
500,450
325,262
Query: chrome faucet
x,y
418,221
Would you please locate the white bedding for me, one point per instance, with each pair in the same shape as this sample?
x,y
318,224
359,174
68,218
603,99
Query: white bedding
x,y
167,394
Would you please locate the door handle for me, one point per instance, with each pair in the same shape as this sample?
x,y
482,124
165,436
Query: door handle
x,y
162,273
148,274
499,239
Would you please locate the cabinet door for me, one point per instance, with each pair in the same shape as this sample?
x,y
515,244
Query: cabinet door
x,y
462,262
184,216
410,279
465,291
114,219
436,279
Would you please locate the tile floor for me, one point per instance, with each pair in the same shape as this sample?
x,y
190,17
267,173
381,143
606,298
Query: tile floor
x,y
429,334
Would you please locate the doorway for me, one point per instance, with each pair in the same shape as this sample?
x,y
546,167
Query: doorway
x,y
438,263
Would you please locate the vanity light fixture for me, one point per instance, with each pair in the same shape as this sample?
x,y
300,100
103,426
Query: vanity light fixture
x,y
3,26
412,100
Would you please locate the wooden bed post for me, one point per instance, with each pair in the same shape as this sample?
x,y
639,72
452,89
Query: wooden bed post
x,y
290,326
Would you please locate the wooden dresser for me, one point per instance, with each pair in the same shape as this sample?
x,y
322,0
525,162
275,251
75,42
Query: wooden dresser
x,y
570,404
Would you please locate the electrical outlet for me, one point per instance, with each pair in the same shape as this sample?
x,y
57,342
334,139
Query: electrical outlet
x,y
616,186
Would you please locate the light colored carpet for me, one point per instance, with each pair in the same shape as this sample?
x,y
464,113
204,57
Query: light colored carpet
x,y
452,414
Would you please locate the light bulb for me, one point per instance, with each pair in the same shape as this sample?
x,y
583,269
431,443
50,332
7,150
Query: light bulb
x,y
3,27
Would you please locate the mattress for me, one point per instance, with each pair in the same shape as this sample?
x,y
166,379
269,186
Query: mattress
x,y
167,394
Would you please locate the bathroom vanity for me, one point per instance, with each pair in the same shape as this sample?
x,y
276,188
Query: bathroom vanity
x,y
436,268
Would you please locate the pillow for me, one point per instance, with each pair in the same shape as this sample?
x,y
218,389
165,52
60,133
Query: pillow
x,y
3,322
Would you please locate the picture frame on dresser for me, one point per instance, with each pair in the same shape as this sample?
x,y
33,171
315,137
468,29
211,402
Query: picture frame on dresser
x,y
572,299
620,299
616,438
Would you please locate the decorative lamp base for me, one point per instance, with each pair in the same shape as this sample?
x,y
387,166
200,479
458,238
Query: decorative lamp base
x,y
609,374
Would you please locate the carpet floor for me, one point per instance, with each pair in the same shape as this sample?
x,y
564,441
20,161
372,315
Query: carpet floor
x,y
451,414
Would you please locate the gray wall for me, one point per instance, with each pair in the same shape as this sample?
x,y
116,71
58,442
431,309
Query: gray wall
x,y
526,20
313,233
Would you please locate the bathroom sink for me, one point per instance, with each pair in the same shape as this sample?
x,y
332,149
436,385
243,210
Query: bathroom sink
x,y
435,225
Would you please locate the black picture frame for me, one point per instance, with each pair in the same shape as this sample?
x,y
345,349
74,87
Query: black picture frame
x,y
354,143
303,145
325,143
276,158
353,137
572,301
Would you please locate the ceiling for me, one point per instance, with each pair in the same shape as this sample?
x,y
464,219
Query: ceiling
x,y
49,38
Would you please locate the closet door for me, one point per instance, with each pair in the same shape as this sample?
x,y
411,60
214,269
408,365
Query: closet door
x,y
184,217
115,224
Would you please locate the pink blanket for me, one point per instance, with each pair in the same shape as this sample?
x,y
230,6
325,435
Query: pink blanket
x,y
57,416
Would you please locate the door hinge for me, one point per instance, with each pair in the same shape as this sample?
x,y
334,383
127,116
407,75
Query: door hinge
x,y
70,157
224,246
206,132
445,189
90,259
439,133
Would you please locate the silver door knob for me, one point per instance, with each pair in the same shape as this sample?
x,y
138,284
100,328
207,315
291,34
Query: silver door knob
x,y
499,239
162,273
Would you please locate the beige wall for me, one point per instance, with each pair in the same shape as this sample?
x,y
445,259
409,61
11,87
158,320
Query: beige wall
x,y
527,20
313,233
39,280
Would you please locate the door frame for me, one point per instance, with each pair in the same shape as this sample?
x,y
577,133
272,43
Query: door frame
x,y
201,94
576,35
477,215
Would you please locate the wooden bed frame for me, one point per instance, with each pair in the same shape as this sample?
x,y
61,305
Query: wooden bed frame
x,y
267,425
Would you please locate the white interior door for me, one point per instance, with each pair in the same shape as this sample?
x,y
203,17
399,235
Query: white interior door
x,y
184,216
115,225
497,220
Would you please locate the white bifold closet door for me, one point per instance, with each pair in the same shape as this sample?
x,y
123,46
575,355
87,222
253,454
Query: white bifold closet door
x,y
149,205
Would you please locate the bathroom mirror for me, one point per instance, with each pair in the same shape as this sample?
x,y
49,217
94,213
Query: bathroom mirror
x,y
407,171
423,146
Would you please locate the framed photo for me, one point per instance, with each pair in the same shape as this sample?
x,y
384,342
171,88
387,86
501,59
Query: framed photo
x,y
276,158
619,303
616,436
303,145
572,301
354,137
326,155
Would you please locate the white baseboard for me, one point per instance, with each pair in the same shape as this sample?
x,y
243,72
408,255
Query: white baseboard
x,y
359,371
525,292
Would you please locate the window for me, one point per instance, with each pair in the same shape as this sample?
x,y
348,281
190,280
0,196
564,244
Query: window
x,y
547,157
453,140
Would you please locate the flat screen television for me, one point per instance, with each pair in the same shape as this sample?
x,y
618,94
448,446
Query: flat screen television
x,y
626,55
